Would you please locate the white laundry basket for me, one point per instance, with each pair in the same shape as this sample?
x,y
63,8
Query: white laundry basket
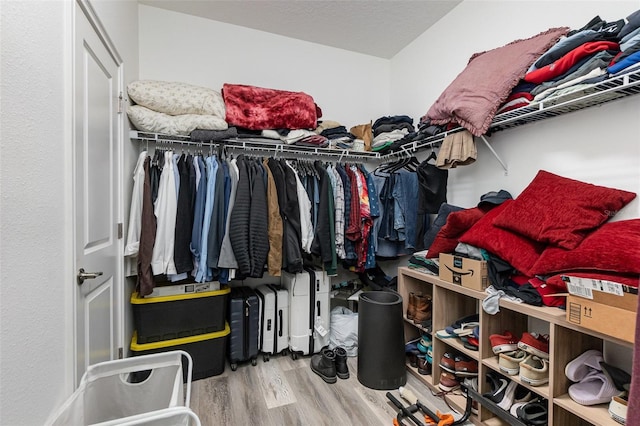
x,y
112,391
176,416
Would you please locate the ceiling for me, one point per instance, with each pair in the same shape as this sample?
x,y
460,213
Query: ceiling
x,y
374,27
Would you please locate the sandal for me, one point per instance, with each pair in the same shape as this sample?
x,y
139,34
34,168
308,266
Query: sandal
x,y
534,413
466,329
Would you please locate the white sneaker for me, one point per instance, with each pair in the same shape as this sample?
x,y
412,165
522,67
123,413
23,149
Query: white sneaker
x,y
534,370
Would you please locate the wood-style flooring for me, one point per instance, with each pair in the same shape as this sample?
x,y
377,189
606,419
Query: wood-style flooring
x,y
284,391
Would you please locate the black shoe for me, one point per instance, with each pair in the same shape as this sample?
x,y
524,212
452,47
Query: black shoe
x,y
324,365
342,370
620,378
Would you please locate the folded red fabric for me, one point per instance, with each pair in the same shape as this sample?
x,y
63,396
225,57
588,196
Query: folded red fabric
x,y
563,64
258,108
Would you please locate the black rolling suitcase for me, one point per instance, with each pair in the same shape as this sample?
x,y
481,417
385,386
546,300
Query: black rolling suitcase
x,y
244,314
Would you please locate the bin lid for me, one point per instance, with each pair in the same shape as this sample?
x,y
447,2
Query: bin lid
x,y
137,300
139,347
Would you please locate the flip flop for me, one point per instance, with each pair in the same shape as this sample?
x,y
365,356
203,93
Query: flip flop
x,y
444,334
534,413
466,329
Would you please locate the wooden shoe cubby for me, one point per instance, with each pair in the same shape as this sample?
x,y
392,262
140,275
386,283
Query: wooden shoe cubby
x,y
566,341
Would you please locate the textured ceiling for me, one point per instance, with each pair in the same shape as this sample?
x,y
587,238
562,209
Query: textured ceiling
x,y
373,27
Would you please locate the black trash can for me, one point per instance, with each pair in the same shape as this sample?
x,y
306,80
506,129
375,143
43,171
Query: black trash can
x,y
381,357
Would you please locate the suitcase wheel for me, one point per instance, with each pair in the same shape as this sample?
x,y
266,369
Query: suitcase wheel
x,y
294,355
265,357
234,366
254,361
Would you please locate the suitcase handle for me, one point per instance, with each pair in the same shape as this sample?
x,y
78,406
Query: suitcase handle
x,y
281,323
318,305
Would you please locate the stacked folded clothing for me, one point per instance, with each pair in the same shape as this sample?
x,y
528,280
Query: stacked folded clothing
x,y
573,65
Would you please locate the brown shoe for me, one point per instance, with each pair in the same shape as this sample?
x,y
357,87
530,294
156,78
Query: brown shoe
x,y
411,307
423,309
424,366
448,382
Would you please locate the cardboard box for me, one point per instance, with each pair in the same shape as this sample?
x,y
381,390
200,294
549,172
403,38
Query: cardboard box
x,y
602,291
609,320
467,272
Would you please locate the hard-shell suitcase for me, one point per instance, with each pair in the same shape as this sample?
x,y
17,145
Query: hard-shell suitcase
x,y
308,311
244,322
274,319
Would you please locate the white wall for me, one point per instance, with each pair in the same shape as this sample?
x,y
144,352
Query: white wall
x,y
33,224
349,87
598,145
36,280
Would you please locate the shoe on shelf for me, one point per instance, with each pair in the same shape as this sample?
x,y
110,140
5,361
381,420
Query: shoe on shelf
x,y
535,344
509,362
595,388
424,344
444,334
411,306
423,308
424,366
507,398
534,412
457,324
324,365
342,369
448,382
523,395
534,370
498,387
620,378
448,362
466,329
470,342
578,368
413,358
471,383
514,408
505,342
618,408
465,366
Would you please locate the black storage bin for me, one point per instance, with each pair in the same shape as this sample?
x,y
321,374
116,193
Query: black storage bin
x,y
163,318
207,351
381,357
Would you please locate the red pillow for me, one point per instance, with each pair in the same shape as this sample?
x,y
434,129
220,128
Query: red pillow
x,y
457,224
520,252
561,211
614,247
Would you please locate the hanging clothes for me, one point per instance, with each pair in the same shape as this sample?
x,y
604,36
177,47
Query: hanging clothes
x,y
145,282
135,212
184,215
204,273
165,210
227,258
275,226
198,213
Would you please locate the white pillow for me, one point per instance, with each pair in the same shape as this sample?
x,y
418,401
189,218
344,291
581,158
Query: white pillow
x,y
147,120
175,98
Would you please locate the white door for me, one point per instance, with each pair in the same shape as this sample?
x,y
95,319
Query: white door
x,y
96,153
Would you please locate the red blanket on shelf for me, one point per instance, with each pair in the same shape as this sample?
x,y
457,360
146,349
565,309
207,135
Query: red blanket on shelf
x,y
257,108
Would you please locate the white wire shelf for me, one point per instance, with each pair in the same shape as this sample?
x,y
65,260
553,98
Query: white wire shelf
x,y
613,88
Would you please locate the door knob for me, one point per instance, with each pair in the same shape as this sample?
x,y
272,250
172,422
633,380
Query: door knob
x,y
82,275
